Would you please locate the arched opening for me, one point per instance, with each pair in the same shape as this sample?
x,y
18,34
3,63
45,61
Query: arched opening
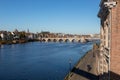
x,y
49,40
86,40
67,40
79,41
74,41
54,40
43,40
60,40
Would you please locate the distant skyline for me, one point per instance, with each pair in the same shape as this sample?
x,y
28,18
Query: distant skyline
x,y
58,16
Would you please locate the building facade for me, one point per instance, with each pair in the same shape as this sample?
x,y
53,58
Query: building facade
x,y
109,62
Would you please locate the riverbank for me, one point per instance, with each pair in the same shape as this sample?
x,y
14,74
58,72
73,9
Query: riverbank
x,y
16,41
2,42
86,68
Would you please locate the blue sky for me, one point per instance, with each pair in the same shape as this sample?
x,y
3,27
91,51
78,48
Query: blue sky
x,y
65,16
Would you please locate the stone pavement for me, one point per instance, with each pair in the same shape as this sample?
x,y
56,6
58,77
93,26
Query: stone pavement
x,y
87,68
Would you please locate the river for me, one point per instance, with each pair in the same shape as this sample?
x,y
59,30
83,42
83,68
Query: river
x,y
39,61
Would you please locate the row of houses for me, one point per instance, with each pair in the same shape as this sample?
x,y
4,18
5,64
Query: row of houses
x,y
16,35
22,35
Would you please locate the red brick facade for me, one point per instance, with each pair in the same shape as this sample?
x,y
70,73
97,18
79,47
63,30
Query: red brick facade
x,y
115,39
110,21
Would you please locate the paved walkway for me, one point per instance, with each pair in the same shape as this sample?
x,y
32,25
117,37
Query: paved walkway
x,y
87,68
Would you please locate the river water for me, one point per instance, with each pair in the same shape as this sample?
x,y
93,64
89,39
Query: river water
x,y
39,61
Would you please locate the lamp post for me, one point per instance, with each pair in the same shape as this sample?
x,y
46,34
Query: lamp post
x,y
70,62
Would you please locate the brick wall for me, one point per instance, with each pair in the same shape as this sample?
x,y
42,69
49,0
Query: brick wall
x,y
115,40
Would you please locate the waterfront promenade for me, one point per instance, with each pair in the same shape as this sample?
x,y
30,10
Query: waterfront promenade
x,y
87,68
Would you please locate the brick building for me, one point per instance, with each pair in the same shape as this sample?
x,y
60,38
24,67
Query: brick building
x,y
109,64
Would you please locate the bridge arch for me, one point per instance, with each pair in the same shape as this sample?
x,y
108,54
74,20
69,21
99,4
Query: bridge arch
x,y
49,40
54,40
67,40
74,40
43,40
79,40
86,40
61,40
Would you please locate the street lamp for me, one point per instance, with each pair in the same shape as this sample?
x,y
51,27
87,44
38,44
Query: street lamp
x,y
70,62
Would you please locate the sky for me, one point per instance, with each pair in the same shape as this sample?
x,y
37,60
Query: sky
x,y
57,16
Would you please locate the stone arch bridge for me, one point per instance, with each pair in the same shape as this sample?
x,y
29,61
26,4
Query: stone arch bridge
x,y
70,39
